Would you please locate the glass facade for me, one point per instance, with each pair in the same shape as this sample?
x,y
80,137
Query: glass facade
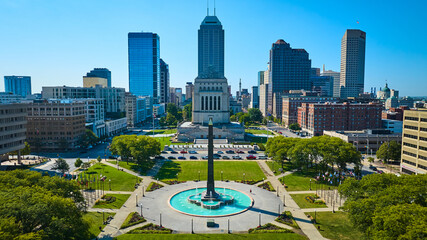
x,y
144,64
101,73
19,85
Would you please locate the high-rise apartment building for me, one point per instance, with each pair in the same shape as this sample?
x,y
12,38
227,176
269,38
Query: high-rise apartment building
x,y
164,82
100,73
138,109
289,69
336,78
189,89
254,97
13,121
20,85
144,64
352,72
175,96
414,142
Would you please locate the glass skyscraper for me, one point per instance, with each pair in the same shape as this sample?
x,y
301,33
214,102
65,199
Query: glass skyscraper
x,y
211,49
19,85
101,73
164,82
144,64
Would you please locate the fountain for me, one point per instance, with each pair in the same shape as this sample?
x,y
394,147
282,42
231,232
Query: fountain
x,y
209,201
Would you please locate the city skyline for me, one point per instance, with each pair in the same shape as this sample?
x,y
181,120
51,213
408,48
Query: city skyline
x,y
394,53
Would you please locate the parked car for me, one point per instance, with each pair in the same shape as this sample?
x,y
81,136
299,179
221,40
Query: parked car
x,y
183,152
181,158
220,152
250,157
205,157
171,158
225,157
174,152
216,155
164,152
263,157
193,157
237,157
252,152
229,152
192,152
158,157
239,151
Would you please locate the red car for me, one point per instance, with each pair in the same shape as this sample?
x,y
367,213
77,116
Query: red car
x,y
183,151
239,151
250,157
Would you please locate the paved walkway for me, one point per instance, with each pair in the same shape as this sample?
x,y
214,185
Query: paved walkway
x,y
300,217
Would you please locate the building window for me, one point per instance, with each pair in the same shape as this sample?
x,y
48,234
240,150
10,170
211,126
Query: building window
x,y
219,103
203,102
210,103
214,102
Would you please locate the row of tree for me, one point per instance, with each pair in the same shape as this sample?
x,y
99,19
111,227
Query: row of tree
x,y
385,206
174,115
253,115
325,152
40,207
140,148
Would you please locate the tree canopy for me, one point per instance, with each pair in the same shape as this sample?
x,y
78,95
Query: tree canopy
x,y
295,127
88,138
141,148
385,206
40,207
389,151
61,165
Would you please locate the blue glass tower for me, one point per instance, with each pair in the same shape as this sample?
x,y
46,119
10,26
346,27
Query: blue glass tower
x,y
20,85
211,49
144,64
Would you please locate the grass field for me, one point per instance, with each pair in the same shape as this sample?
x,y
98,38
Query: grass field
x,y
142,169
95,220
167,141
336,226
258,131
256,139
259,236
189,170
120,200
161,131
302,203
120,181
300,181
274,166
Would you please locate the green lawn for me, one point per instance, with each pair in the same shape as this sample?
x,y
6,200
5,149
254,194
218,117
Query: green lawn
x,y
95,220
259,236
302,203
300,181
258,131
167,141
256,139
161,131
274,166
120,180
336,226
120,200
189,170
142,169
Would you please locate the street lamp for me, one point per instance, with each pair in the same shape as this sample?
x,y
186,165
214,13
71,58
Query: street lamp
x,y
199,176
221,176
109,182
277,192
259,220
284,203
310,184
136,196
143,192
103,218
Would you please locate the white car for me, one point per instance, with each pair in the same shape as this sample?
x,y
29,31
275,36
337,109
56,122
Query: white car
x,y
237,157
262,157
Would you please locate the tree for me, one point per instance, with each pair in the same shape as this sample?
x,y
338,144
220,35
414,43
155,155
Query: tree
x,y
172,109
88,138
78,163
40,207
187,112
255,115
171,120
141,148
25,151
371,159
295,127
389,151
119,146
99,159
61,165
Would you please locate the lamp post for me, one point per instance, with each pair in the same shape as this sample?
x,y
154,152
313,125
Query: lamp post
x,y
315,214
143,192
221,176
136,196
199,176
192,232
277,192
109,182
103,218
310,184
228,225
259,220
141,209
160,219
284,203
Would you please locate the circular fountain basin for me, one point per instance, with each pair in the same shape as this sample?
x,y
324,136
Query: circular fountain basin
x,y
180,202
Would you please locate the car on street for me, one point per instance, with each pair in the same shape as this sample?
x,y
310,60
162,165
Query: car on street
x,y
171,158
263,157
237,157
183,152
225,157
216,156
193,157
181,158
192,152
250,157
229,152
174,152
205,157
220,152
239,151
252,152
164,152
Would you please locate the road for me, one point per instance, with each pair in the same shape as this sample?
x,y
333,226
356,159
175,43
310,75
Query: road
x,y
277,128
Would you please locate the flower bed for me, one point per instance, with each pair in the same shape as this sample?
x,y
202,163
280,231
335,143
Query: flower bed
x,y
153,186
173,182
250,182
267,186
105,199
286,218
314,199
151,229
269,228
132,219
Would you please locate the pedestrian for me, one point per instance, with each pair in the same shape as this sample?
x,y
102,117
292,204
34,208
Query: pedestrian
x,y
250,190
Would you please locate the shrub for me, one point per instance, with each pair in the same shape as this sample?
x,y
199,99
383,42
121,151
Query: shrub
x,y
269,228
150,229
132,219
287,218
153,186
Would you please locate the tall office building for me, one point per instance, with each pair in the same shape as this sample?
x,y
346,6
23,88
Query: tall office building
x,y
144,64
211,49
19,85
255,97
164,82
189,89
352,77
289,70
414,142
100,73
336,79
13,123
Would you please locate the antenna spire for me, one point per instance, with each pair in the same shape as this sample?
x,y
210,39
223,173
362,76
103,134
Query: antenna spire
x,y
207,8
214,7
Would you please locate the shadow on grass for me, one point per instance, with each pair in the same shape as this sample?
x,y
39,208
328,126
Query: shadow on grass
x,y
169,170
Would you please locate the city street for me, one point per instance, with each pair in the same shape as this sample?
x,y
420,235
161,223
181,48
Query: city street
x,y
277,128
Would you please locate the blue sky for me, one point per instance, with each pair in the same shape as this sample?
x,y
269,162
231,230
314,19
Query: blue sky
x,y
57,42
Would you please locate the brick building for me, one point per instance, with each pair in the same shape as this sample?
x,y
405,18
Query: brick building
x,y
394,113
314,118
55,125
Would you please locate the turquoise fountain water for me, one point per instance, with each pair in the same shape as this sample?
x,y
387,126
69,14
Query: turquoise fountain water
x,y
181,202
